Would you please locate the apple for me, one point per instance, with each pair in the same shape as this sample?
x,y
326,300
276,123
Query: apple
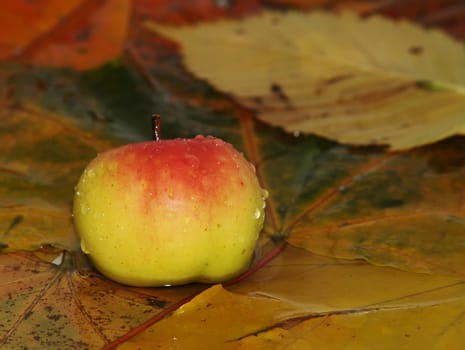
x,y
169,212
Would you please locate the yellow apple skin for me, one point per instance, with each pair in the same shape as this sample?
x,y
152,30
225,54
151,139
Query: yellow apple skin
x,y
169,212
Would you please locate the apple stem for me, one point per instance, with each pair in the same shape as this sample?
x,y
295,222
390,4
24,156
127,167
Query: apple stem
x,y
156,127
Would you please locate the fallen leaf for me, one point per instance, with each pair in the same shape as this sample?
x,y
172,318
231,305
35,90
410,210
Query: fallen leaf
x,y
179,11
314,185
404,91
333,286
23,21
377,305
41,160
414,221
80,34
435,327
57,307
211,320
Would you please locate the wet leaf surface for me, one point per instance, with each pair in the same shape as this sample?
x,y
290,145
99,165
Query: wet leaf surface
x,y
377,306
361,246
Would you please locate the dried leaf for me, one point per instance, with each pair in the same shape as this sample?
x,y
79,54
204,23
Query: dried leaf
x,y
328,198
414,221
80,34
377,305
41,160
435,327
24,21
404,91
180,11
56,307
333,286
212,320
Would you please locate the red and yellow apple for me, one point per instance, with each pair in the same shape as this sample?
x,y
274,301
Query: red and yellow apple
x,y
169,212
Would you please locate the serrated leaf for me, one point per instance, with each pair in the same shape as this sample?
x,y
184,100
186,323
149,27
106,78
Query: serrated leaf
x,y
403,91
57,307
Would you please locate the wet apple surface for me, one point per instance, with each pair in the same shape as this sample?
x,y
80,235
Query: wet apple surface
x,y
170,212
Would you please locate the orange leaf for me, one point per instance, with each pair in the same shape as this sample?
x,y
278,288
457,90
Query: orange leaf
x,y
81,36
23,21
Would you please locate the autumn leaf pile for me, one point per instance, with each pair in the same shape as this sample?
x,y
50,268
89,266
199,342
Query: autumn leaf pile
x,y
353,117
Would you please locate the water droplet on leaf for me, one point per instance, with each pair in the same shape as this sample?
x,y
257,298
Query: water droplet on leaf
x,y
58,260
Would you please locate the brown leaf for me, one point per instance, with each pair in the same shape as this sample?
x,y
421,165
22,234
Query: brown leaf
x,y
60,119
56,307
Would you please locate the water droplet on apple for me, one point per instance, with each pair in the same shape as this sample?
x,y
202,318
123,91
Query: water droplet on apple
x,y
84,248
192,160
78,193
91,173
257,213
84,209
265,194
